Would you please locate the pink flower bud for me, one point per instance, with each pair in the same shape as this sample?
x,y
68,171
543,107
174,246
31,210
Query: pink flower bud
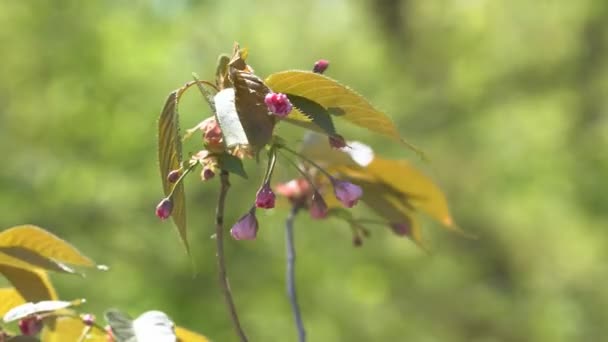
x,y
88,319
173,176
30,326
164,208
347,193
207,173
402,228
320,66
278,104
318,207
246,228
265,197
337,141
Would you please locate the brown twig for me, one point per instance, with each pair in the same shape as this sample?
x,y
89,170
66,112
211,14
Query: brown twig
x,y
291,273
219,239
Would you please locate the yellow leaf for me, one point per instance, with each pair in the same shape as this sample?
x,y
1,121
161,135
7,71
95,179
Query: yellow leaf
x,y
170,158
420,189
66,328
9,298
339,100
185,335
33,285
43,243
8,260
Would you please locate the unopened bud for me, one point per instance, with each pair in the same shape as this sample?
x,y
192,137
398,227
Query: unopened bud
x,y
402,228
320,66
337,141
357,241
88,319
347,193
246,228
265,197
207,173
164,208
30,326
318,207
278,104
173,176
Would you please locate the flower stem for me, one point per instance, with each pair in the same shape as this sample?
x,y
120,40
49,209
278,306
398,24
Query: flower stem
x,y
221,263
291,274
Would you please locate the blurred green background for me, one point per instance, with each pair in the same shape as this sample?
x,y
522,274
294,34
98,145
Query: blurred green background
x,y
508,98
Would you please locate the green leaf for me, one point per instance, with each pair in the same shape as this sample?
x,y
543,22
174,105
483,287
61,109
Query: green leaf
x,y
43,243
228,119
317,113
170,158
232,164
23,338
338,99
33,285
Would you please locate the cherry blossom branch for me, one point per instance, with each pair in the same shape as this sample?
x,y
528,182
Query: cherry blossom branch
x,y
291,264
221,263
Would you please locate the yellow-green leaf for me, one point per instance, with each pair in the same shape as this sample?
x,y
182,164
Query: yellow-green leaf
x,y
185,335
170,158
32,285
35,260
229,120
66,328
9,298
42,242
338,99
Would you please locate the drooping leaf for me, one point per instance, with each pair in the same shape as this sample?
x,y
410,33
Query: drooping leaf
x,y
185,335
232,164
42,242
9,298
339,100
249,91
30,308
68,328
154,326
170,158
228,119
32,284
122,326
318,114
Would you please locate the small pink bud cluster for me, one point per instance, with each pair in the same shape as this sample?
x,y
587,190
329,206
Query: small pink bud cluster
x,y
320,66
265,197
164,208
246,228
401,228
278,104
31,325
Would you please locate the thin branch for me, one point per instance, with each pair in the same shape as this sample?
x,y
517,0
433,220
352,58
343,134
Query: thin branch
x,y
291,273
219,239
